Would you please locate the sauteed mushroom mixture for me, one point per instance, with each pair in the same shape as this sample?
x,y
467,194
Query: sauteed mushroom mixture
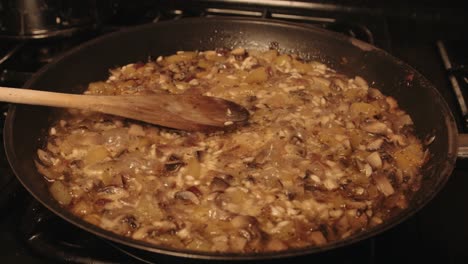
x,y
324,156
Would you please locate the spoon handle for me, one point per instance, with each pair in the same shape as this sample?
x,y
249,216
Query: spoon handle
x,y
186,112
33,97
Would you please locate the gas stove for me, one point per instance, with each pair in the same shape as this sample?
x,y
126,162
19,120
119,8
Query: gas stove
x,y
29,233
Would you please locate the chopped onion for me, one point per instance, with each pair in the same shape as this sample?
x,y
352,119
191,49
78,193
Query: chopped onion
x,y
376,128
318,238
276,245
242,221
383,184
60,192
374,160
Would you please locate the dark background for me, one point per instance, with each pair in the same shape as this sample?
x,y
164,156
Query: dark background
x,y
409,30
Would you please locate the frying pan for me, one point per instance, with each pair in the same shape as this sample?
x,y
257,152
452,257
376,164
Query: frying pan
x,y
91,62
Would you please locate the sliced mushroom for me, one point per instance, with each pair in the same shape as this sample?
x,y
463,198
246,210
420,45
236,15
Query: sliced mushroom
x,y
131,221
187,197
112,193
218,184
263,156
200,155
45,157
142,232
195,190
173,164
252,232
375,145
49,175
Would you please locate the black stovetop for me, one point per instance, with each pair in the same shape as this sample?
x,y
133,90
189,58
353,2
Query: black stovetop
x,y
437,234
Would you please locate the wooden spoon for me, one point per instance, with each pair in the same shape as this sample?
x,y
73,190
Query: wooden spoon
x,y
186,112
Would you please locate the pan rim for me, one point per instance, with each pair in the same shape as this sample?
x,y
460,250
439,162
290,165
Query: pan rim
x,y
145,246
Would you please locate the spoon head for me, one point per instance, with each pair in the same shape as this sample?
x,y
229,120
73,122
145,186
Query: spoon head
x,y
213,111
188,112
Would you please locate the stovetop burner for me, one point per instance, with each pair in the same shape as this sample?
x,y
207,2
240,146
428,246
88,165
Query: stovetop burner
x,y
455,59
29,233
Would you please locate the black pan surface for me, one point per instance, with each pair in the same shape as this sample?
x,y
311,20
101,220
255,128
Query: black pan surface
x,y
25,125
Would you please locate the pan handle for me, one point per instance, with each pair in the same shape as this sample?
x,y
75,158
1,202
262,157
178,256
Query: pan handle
x,y
462,146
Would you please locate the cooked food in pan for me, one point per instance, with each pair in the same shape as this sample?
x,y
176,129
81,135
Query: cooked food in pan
x,y
324,156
